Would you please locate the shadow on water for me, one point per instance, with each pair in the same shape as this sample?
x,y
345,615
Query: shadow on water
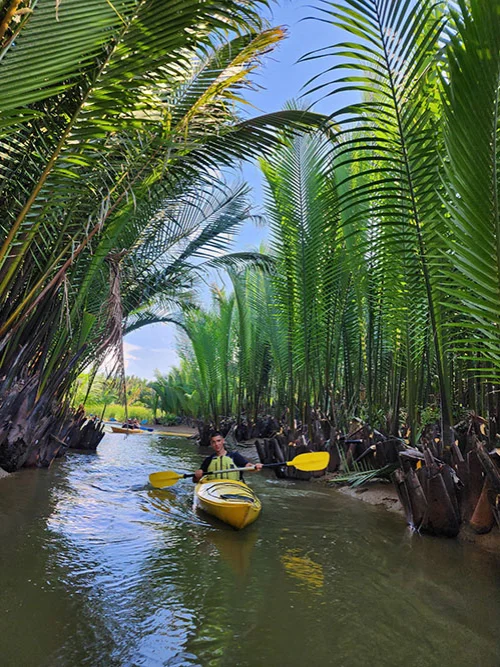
x,y
98,568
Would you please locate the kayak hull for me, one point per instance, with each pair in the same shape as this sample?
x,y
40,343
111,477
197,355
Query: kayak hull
x,y
130,431
229,501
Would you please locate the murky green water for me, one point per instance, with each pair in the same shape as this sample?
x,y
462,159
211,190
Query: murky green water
x,y
96,568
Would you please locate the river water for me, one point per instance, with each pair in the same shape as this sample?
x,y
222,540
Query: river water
x,y
97,568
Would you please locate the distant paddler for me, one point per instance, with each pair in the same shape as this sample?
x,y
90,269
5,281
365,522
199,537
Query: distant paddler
x,y
222,460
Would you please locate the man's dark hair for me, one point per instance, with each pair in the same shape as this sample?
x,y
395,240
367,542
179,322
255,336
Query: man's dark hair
x,y
214,434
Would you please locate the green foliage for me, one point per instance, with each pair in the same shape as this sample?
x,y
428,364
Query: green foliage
x,y
168,420
380,292
107,166
358,478
118,411
309,284
471,129
102,397
384,296
429,415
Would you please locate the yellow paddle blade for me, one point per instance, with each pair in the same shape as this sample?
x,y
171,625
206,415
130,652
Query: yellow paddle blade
x,y
310,461
162,479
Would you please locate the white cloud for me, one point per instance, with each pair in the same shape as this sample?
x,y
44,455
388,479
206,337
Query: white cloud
x,y
153,348
107,365
128,349
148,360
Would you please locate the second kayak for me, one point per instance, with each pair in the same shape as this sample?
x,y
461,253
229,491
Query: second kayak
x,y
229,500
129,431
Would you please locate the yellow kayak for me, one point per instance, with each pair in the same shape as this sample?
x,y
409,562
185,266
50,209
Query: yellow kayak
x,y
229,500
133,431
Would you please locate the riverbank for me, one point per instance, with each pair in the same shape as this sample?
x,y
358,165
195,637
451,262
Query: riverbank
x,y
376,493
180,430
384,495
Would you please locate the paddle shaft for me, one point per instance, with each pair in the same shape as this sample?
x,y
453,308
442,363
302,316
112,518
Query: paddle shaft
x,y
306,462
224,472
250,468
246,468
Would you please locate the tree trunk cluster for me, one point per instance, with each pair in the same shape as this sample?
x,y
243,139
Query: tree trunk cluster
x,y
362,446
234,432
82,433
34,431
438,496
278,449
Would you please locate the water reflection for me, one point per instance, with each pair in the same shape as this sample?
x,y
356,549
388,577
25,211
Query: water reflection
x,y
40,605
303,568
97,568
161,500
235,548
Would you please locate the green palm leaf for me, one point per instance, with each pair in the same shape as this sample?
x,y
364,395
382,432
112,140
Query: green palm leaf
x,y
389,143
472,160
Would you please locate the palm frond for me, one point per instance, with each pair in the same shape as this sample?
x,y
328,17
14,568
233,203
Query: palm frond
x,y
471,128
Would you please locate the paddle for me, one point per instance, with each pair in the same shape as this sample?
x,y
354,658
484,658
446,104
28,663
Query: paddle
x,y
308,462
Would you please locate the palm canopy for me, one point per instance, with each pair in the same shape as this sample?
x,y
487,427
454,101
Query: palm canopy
x,y
419,192
471,126
302,207
121,139
385,292
391,195
225,352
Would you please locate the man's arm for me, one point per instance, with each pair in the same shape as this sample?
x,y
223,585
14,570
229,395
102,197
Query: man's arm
x,y
202,471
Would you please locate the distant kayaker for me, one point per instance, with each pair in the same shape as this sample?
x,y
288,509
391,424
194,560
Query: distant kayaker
x,y
221,459
132,423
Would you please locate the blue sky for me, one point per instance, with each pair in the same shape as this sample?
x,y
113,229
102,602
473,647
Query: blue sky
x,y
281,78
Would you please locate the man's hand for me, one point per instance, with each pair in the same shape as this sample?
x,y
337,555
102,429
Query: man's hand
x,y
255,466
198,475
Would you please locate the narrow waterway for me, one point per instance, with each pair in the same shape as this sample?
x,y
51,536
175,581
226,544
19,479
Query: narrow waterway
x,y
97,568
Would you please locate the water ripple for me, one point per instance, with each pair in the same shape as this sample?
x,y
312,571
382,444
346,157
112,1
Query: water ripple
x,y
121,574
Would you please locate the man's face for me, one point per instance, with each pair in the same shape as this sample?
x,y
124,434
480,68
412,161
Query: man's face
x,y
217,444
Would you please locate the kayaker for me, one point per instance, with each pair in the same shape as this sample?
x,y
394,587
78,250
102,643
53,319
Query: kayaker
x,y
221,459
132,424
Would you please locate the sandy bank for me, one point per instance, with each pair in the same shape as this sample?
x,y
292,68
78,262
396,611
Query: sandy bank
x,y
375,493
385,495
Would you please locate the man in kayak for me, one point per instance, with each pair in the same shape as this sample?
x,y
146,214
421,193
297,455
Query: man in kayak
x,y
221,459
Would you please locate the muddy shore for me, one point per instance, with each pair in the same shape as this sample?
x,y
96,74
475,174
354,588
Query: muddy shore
x,y
385,495
376,493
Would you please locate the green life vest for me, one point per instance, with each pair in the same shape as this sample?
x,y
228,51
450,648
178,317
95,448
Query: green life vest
x,y
223,463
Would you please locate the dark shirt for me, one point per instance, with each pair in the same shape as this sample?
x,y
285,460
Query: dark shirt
x,y
238,460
